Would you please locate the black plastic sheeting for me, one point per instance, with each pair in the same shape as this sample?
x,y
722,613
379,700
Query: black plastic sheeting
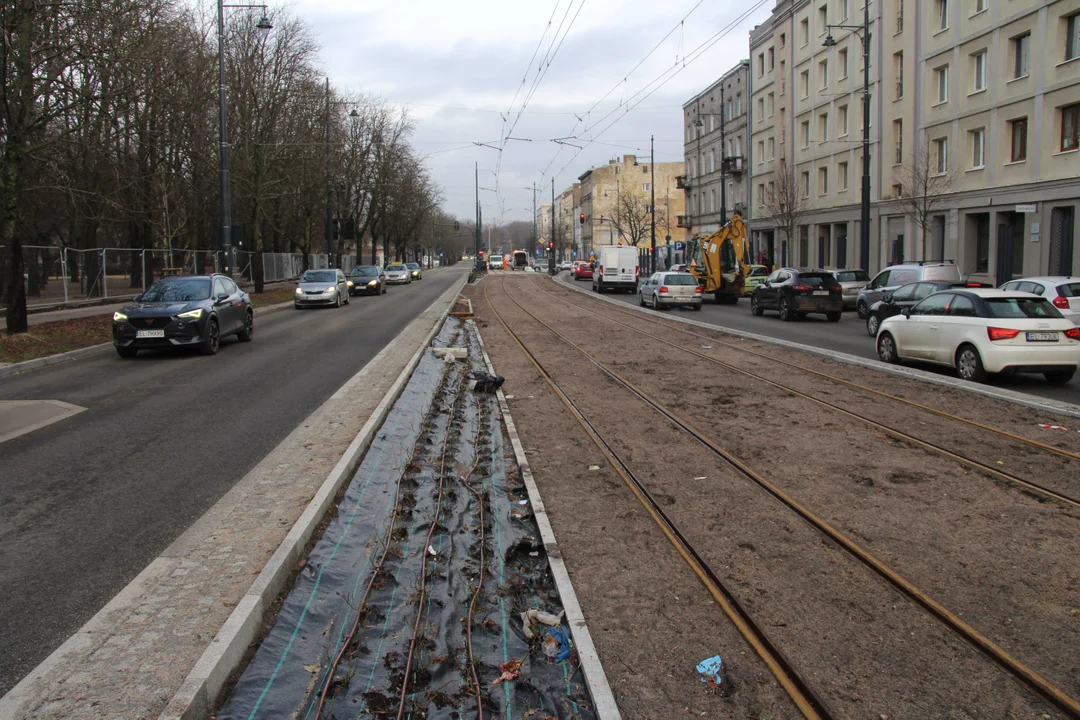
x,y
290,668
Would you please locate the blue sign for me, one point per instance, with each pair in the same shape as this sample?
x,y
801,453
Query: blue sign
x,y
678,245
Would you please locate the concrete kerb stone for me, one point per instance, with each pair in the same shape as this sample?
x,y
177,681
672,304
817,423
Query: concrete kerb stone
x,y
595,677
1056,407
21,367
196,695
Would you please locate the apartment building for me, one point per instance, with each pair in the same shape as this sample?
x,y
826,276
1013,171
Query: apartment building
x,y
566,231
977,101
602,186
715,137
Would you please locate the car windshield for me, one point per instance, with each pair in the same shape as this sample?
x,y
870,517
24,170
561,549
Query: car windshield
x,y
759,272
366,270
1020,308
178,290
397,267
412,266
679,279
853,276
318,276
1069,290
813,279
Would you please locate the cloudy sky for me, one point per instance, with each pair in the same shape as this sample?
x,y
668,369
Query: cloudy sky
x,y
468,71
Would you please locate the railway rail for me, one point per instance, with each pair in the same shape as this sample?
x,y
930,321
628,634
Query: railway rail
x,y
804,697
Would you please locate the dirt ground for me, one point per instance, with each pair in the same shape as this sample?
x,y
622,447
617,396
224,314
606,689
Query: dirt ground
x,y
1001,558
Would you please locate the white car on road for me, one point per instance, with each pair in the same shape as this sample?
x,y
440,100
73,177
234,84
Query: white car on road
x,y
984,331
1062,292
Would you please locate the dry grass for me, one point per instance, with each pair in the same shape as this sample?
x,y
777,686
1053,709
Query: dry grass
x,y
55,337
273,297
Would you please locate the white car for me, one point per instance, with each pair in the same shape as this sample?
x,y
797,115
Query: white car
x,y
398,274
1062,292
984,331
566,265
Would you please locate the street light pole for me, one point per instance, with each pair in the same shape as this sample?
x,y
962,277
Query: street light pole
x,y
652,201
723,167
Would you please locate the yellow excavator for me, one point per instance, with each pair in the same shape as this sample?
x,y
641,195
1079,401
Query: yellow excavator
x,y
720,261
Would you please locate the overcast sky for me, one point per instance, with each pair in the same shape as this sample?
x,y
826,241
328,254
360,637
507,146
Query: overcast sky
x,y
459,67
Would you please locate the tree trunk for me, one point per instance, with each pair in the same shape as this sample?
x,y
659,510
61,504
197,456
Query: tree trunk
x,y
14,289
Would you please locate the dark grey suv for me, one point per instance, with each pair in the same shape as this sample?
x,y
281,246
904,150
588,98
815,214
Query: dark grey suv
x,y
796,293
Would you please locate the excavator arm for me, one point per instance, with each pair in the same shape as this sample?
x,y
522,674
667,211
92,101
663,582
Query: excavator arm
x,y
721,261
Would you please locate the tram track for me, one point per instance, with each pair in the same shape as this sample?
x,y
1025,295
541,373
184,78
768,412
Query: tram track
x,y
986,647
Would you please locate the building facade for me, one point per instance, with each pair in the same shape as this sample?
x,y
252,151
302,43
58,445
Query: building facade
x,y
714,144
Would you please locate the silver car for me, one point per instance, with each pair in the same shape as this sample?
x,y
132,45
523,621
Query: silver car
x,y
851,282
321,287
670,289
889,279
398,274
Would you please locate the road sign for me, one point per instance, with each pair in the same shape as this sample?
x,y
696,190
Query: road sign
x,y
678,245
1027,208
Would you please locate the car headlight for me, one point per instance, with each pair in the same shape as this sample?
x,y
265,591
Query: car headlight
x,y
373,283
299,291
119,317
331,289
415,273
348,283
191,314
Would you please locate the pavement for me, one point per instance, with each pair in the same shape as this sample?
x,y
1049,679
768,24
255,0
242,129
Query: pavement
x,y
847,336
169,493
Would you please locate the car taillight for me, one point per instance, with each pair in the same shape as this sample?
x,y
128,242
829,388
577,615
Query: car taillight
x,y
663,289
637,272
1001,333
1060,302
600,268
698,289
1073,333
800,288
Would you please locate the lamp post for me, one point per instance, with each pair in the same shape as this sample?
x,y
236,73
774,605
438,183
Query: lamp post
x,y
863,31
697,164
223,131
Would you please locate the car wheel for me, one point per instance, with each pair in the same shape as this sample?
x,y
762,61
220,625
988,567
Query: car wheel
x,y
862,309
126,352
337,300
834,316
886,349
696,308
969,365
1059,378
248,331
213,338
786,313
641,300
873,324
755,308
348,298
296,306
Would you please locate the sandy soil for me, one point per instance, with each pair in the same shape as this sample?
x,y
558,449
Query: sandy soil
x,y
869,651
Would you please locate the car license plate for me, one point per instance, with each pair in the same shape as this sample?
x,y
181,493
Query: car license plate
x,y
1042,337
149,333
821,292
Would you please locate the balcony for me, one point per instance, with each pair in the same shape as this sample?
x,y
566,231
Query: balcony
x,y
735,165
682,221
680,183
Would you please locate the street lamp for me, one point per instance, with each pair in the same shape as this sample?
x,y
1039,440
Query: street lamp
x,y
223,131
863,31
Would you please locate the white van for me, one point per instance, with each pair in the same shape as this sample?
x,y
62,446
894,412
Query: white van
x,y
616,267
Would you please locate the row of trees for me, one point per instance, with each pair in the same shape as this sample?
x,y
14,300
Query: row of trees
x,y
109,138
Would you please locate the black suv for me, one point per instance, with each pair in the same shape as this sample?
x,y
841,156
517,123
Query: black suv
x,y
796,293
907,296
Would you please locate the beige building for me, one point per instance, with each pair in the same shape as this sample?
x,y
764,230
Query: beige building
x,y
984,95
601,187
715,139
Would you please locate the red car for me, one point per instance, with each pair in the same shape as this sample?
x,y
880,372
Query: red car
x,y
582,270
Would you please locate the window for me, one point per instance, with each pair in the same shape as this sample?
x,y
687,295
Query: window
x,y
772,104
644,169
644,187
843,10
712,200
738,146
941,79
1070,121
712,162
730,152
783,39
898,134
761,152
942,12
772,188
823,71
805,179
980,6
899,16
823,127
804,31
962,306
1072,36
1019,139
843,63
772,148
977,148
823,16
841,176
1021,47
898,65
761,64
783,77
772,59
841,121
898,191
761,195
738,104
941,152
804,83
730,109
761,109
978,71
804,127
823,181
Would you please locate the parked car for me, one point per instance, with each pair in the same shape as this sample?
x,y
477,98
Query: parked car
x,y
888,280
1062,292
321,287
415,271
670,289
582,270
187,310
757,275
398,274
796,293
616,268
851,282
566,265
908,296
984,331
367,280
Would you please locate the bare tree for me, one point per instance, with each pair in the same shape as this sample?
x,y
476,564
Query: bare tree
x,y
786,200
923,190
633,218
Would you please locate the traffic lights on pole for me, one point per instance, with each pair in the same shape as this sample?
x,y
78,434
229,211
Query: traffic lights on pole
x,y
581,218
550,244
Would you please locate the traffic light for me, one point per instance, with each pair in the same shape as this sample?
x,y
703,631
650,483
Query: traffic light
x,y
581,218
550,244
457,225
481,252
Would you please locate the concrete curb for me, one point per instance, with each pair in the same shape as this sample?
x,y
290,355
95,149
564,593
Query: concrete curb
x,y
595,678
197,695
21,367
1056,407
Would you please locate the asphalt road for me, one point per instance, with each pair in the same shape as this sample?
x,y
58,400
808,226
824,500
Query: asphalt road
x,y
847,336
87,503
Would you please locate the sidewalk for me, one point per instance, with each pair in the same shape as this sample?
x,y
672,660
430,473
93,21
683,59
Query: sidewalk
x,y
134,656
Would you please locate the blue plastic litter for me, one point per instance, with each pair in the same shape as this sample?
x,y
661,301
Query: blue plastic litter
x,y
561,636
710,670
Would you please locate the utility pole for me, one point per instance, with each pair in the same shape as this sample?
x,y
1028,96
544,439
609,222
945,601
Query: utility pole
x,y
652,200
551,249
476,234
723,166
536,235
864,227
